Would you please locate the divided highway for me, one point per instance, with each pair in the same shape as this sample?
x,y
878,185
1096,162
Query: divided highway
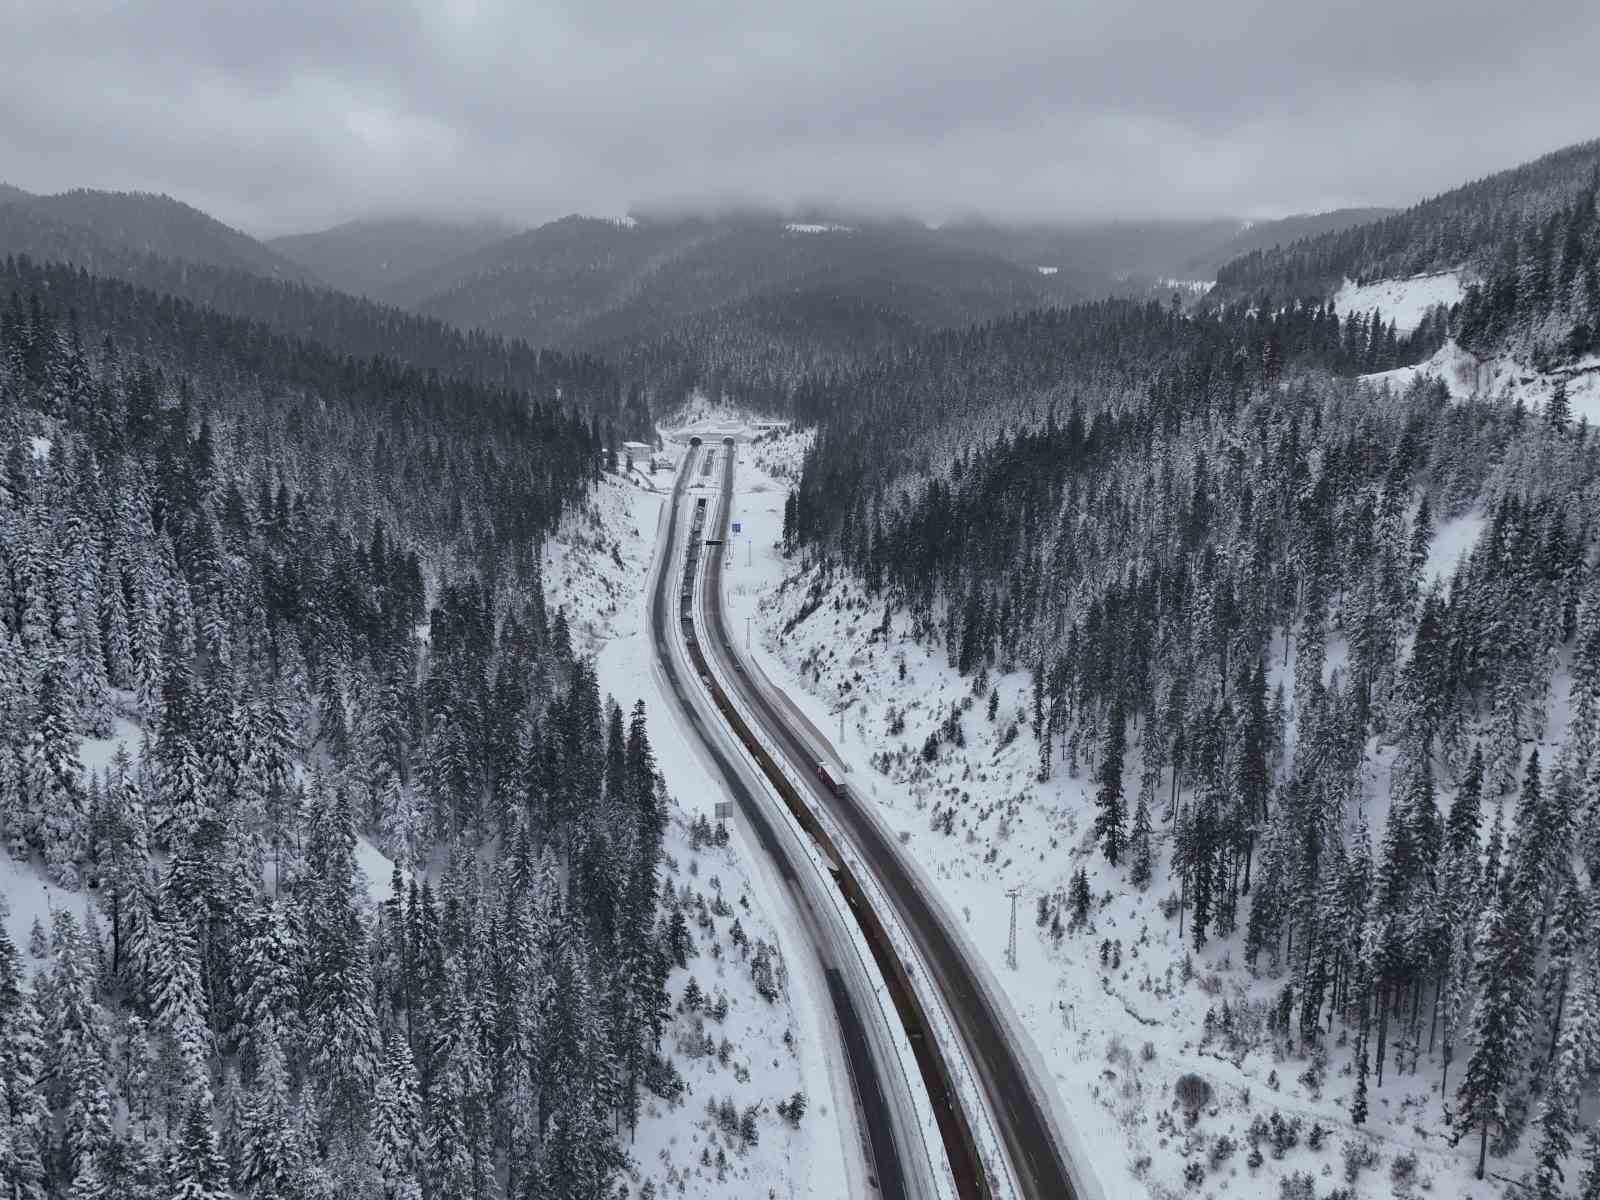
x,y
1036,1159
868,1074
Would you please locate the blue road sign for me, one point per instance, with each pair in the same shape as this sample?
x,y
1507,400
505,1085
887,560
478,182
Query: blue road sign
x,y
736,527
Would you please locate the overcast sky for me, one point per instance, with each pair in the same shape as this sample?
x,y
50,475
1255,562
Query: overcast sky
x,y
282,115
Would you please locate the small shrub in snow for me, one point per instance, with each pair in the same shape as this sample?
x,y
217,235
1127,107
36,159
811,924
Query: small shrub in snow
x,y
1080,897
1193,1174
1285,1134
1255,1158
1259,1130
1299,1186
1312,1077
1359,1155
1147,1052
1315,1138
1192,1092
662,1078
792,1109
693,998
1222,1150
1403,1170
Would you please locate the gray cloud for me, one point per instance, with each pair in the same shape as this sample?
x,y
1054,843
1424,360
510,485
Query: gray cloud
x,y
287,114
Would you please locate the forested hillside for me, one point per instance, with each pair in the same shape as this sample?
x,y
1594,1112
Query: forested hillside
x,y
163,246
305,593
1526,240
103,230
371,257
1268,235
316,326
1157,514
760,351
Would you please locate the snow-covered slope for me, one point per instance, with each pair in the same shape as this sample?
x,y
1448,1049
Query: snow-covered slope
x,y
1503,378
1121,1010
1403,301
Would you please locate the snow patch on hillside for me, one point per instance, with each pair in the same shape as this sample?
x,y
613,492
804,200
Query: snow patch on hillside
x,y
751,1058
1047,270
1452,541
806,227
1403,301
596,561
711,418
1504,379
27,896
779,456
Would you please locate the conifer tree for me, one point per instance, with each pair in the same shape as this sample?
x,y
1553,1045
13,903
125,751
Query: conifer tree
x,y
1111,821
1499,1023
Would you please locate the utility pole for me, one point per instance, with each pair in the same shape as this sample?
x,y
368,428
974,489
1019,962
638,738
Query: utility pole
x,y
843,704
1011,945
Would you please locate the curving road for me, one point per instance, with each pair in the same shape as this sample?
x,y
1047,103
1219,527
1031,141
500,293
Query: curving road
x,y
1037,1160
888,1172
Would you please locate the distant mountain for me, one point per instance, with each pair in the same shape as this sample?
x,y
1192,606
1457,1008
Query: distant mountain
x,y
1524,242
1110,253
1265,235
1469,226
108,232
176,251
370,257
609,285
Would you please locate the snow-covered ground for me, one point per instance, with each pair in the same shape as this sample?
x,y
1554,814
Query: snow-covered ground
x,y
710,418
1403,301
1503,378
775,1049
1115,1013
1452,541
